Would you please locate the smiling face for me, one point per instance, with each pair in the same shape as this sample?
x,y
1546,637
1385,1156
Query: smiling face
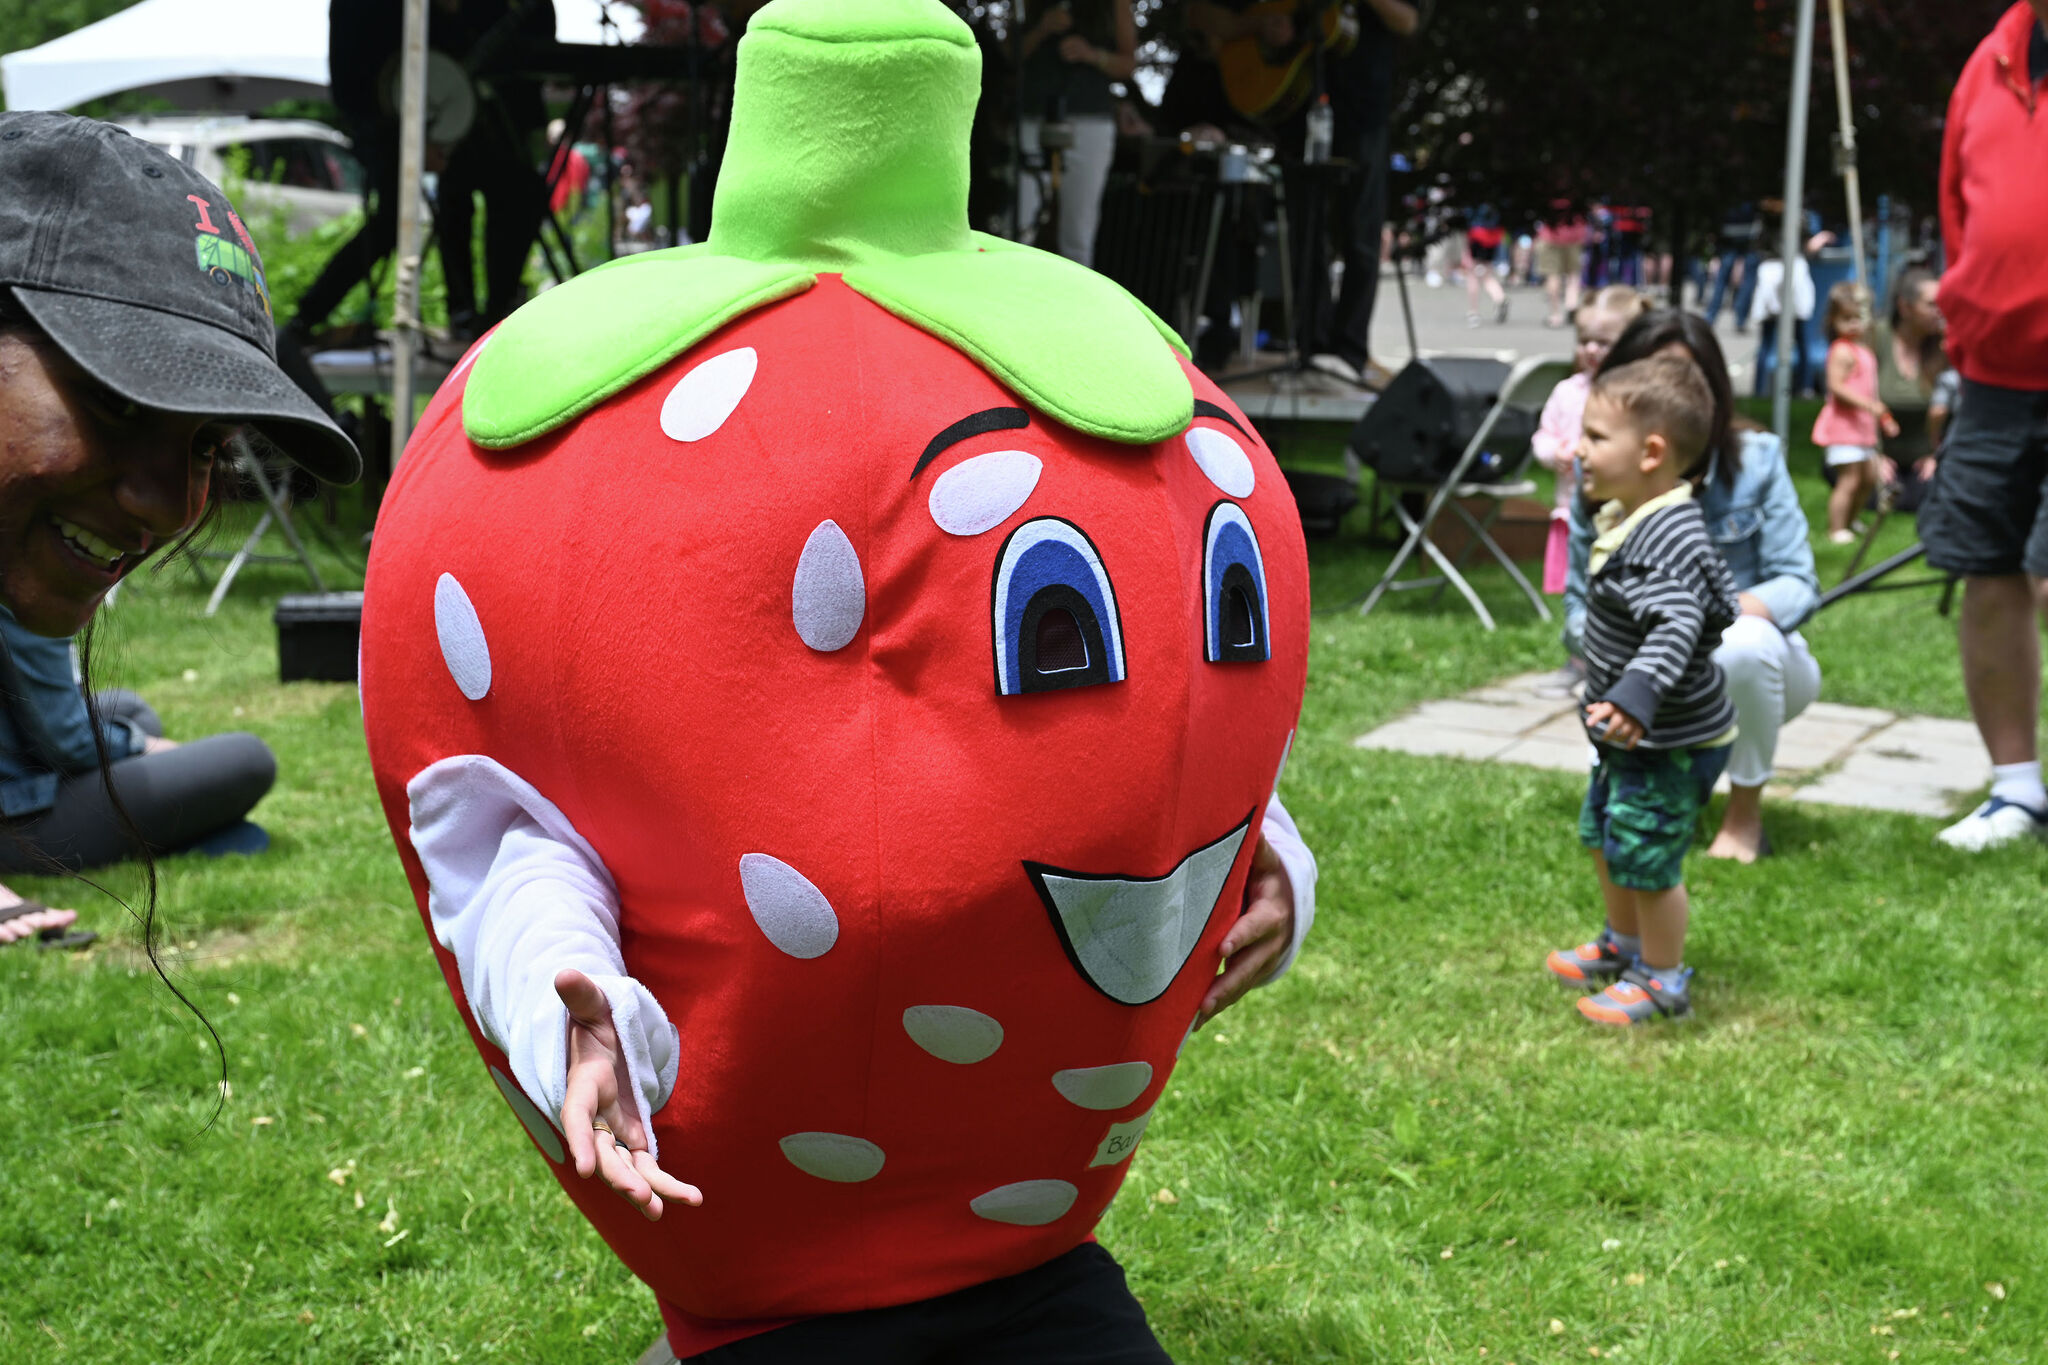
x,y
897,711
89,485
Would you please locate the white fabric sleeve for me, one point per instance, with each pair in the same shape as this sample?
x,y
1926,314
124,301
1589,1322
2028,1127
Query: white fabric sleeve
x,y
1300,864
516,894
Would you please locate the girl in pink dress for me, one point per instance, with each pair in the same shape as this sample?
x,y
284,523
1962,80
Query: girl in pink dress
x,y
1847,428
1600,320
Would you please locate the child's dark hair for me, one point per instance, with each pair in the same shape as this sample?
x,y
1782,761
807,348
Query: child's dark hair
x,y
1667,396
1848,302
1665,327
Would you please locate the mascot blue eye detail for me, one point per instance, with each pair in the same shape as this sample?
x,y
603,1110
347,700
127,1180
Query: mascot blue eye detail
x,y
1055,616
1234,589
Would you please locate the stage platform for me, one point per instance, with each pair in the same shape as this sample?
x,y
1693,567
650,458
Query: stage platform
x,y
1289,395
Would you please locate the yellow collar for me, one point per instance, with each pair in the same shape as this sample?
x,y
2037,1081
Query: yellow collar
x,y
1613,524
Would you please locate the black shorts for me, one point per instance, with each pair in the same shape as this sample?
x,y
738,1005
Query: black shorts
x,y
1073,1310
1985,518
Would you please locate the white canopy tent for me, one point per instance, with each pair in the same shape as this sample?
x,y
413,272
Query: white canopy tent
x,y
216,54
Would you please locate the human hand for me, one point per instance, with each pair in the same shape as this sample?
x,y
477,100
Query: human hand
x,y
1263,932
1886,422
1924,467
1612,725
1276,29
32,923
1075,48
157,744
599,1090
1887,468
1752,605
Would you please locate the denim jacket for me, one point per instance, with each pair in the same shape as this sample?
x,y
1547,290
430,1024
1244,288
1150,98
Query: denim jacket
x,y
1757,525
45,734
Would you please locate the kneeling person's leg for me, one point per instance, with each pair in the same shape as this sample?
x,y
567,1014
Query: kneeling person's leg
x,y
175,798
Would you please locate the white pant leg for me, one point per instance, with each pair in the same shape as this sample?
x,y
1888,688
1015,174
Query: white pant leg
x,y
1772,677
1084,170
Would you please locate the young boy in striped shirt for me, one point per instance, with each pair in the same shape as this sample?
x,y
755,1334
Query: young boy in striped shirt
x,y
1656,704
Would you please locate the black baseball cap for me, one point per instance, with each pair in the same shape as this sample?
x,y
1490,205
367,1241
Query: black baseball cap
x,y
141,271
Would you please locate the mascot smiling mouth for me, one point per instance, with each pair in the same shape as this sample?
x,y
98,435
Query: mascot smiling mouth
x,y
1129,936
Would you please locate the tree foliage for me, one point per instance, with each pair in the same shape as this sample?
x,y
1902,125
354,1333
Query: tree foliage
x,y
1682,108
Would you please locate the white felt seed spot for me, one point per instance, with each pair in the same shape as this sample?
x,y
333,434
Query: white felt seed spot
x,y
1222,459
829,595
833,1156
794,914
1027,1204
463,647
702,399
953,1033
980,494
537,1126
1104,1087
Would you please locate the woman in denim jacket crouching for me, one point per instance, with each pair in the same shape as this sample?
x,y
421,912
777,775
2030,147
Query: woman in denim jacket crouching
x,y
1754,517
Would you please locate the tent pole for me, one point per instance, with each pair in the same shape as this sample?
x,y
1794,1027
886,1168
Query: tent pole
x,y
1791,239
412,147
1838,35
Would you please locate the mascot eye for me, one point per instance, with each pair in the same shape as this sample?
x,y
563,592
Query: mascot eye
x,y
1233,588
1055,618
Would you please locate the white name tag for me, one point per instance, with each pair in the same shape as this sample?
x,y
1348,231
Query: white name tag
x,y
1121,1140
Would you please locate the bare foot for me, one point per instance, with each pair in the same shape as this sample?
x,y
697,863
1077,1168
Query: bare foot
x,y
1741,848
25,926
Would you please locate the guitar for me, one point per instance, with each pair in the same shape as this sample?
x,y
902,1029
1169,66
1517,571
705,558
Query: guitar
x,y
1269,84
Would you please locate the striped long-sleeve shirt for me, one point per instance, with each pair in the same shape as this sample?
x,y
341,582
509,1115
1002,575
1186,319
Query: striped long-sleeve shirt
x,y
1654,616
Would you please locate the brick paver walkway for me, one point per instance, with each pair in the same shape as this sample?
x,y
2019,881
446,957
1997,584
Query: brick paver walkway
x,y
1837,755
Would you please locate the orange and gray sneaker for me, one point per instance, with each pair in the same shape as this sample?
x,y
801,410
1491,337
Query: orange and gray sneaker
x,y
1639,998
1588,966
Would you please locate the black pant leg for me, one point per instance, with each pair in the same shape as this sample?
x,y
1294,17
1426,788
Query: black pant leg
x,y
1075,1309
1350,330
376,145
175,798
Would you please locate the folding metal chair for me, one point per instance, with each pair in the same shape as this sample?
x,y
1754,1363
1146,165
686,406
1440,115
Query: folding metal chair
x,y
275,486
1527,387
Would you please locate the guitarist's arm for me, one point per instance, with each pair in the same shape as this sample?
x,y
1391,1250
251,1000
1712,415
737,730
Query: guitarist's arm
x,y
1120,64
1219,23
1400,17
1053,21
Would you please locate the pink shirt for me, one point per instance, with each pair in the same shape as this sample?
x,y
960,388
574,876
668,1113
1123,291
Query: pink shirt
x,y
1838,423
1556,441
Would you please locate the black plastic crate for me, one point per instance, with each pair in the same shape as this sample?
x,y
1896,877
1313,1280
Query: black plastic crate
x,y
319,636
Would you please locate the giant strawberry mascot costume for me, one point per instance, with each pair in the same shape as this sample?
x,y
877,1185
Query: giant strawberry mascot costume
x,y
866,649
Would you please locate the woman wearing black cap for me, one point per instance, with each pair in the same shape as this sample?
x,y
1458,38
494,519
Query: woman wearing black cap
x,y
135,339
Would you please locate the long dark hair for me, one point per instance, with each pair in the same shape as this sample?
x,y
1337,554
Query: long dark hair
x,y
16,321
1662,327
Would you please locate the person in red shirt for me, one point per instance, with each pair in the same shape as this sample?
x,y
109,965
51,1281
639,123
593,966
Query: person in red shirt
x,y
1986,520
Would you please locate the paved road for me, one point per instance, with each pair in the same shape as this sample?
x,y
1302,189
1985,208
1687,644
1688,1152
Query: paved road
x,y
1441,327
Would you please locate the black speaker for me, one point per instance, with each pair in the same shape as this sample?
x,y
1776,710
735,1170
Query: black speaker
x,y
1416,430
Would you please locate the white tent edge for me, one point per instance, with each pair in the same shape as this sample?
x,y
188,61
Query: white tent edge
x,y
237,52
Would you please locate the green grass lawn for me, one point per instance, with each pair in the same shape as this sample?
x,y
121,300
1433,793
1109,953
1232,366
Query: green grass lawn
x,y
1412,1150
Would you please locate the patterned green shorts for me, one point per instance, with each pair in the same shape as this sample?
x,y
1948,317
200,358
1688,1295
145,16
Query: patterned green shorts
x,y
1641,809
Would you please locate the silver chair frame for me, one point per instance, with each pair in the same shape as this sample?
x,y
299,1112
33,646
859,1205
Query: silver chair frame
x,y
1527,385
